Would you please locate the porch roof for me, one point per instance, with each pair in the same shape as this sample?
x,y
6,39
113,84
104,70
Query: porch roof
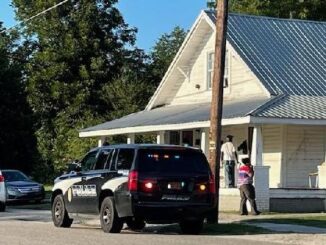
x,y
294,107
176,115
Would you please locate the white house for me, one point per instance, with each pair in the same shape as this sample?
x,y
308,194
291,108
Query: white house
x,y
274,99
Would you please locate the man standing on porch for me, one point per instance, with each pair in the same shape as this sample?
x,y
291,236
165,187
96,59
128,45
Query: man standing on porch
x,y
229,157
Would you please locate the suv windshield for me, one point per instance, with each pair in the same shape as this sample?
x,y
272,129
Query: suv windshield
x,y
14,176
172,161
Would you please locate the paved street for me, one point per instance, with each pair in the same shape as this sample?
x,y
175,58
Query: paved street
x,y
28,226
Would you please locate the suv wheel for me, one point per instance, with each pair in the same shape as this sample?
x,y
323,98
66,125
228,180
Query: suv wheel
x,y
135,223
60,215
193,227
110,221
2,207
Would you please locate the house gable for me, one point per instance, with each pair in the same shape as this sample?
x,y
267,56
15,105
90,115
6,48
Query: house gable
x,y
186,79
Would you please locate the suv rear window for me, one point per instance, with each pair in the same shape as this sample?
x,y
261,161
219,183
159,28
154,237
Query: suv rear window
x,y
171,161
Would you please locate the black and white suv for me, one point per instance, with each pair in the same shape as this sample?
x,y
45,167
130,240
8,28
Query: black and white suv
x,y
134,184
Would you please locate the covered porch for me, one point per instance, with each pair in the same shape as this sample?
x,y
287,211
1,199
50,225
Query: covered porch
x,y
284,152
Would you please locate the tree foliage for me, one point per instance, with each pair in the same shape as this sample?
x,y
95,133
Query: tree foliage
x,y
17,141
297,9
80,50
164,51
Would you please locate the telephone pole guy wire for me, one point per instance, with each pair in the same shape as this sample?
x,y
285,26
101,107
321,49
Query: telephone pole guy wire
x,y
35,16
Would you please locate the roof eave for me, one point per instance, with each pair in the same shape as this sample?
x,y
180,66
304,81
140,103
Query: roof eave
x,y
176,58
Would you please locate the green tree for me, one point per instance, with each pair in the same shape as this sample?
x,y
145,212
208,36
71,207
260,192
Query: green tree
x,y
297,9
163,53
80,49
17,141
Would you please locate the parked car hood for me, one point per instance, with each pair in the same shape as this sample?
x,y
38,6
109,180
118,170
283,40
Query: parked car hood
x,y
22,183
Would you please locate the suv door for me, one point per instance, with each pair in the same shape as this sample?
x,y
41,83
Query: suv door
x,y
123,163
85,193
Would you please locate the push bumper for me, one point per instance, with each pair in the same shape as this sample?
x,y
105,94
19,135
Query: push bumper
x,y
171,212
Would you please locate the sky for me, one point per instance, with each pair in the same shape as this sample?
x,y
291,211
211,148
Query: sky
x,y
152,18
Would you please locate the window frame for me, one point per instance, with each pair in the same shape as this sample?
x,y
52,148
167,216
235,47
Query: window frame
x,y
227,69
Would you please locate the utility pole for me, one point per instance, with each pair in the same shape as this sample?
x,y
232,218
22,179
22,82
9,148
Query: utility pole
x,y
217,98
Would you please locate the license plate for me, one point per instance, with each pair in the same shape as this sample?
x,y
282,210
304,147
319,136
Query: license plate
x,y
175,198
174,186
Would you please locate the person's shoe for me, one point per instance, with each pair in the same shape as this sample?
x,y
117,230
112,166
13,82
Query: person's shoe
x,y
244,214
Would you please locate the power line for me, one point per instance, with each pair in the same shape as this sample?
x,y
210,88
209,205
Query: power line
x,y
36,15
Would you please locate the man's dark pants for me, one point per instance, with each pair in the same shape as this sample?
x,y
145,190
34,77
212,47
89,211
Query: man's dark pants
x,y
229,173
247,192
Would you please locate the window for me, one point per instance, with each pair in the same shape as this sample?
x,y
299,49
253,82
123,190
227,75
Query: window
x,y
174,137
109,160
102,159
171,161
88,161
210,69
125,159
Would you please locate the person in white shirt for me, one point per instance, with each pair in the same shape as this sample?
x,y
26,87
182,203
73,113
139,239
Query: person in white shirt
x,y
229,157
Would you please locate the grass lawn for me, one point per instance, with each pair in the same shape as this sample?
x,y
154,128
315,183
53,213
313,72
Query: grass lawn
x,y
316,221
213,229
233,229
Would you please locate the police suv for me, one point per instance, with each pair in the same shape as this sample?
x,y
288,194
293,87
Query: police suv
x,y
134,184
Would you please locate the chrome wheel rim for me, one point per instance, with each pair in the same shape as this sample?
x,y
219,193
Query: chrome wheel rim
x,y
58,211
107,216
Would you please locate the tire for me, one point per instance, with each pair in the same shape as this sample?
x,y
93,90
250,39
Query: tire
x,y
135,224
110,221
2,207
192,227
60,215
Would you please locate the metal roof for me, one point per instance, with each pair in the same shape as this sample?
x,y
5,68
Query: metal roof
x,y
177,114
288,56
294,107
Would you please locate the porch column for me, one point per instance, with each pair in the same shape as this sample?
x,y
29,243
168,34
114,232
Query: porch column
x,y
131,139
101,140
261,177
257,147
204,140
160,137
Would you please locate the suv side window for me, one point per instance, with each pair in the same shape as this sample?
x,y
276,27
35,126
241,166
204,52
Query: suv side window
x,y
125,159
109,160
88,161
102,159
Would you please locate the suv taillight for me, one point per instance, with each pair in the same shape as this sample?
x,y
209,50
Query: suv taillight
x,y
133,181
2,179
212,186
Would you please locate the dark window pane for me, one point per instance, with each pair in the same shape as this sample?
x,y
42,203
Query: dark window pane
x,y
125,158
101,159
88,161
174,137
109,160
172,161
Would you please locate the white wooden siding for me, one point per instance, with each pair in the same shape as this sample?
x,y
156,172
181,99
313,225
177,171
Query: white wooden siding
x,y
272,147
305,150
242,82
188,93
